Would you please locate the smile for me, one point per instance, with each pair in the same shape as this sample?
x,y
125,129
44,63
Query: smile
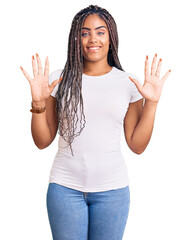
x,y
93,49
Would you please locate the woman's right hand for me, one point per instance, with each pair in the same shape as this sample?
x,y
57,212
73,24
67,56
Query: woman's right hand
x,y
40,88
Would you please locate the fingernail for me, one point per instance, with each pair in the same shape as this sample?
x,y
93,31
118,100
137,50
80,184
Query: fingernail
x,y
170,70
155,54
33,57
160,59
21,68
37,54
147,57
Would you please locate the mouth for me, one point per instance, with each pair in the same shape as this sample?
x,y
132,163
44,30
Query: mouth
x,y
94,48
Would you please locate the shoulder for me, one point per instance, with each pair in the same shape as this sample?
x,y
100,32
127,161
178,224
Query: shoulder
x,y
55,75
125,75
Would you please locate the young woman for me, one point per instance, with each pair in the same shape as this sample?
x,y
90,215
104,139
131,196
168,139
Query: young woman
x,y
88,195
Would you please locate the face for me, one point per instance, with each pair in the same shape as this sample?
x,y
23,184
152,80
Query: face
x,y
95,39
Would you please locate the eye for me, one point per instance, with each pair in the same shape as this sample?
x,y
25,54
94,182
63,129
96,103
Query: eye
x,y
101,33
84,34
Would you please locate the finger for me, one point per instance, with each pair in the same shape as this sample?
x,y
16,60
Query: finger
x,y
165,76
53,84
153,66
46,69
39,64
35,72
146,68
137,83
157,74
26,74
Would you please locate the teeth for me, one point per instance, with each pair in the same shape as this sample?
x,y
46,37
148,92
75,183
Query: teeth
x,y
94,48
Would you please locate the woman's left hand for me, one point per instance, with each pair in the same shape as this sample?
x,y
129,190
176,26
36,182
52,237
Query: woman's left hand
x,y
152,87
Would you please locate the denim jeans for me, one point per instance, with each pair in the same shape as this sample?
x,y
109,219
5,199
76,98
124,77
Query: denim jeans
x,y
76,215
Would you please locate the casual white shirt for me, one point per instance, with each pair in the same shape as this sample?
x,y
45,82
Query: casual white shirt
x,y
98,163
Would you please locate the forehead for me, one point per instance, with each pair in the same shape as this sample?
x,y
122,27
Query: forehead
x,y
94,21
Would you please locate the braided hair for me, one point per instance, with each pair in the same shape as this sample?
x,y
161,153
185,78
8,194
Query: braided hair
x,y
69,90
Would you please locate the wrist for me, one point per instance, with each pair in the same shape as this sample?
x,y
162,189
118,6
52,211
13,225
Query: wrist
x,y
151,104
38,104
38,107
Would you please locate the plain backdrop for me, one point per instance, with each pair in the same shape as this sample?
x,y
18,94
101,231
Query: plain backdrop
x,y
160,177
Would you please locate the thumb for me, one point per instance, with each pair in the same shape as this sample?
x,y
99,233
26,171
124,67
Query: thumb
x,y
137,83
53,84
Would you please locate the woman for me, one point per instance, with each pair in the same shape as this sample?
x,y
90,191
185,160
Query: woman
x,y
88,195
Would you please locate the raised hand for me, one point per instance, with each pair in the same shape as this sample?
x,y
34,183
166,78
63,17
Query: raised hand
x,y
152,87
40,88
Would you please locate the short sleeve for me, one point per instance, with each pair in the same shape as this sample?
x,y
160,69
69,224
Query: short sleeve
x,y
135,94
52,77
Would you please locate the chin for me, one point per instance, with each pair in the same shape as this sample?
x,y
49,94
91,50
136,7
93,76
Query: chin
x,y
94,59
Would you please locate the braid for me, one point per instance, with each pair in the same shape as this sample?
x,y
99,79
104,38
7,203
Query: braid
x,y
69,94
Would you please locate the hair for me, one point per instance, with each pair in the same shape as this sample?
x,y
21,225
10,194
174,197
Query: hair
x,y
69,94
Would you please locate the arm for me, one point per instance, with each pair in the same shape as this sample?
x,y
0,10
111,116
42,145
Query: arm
x,y
44,125
138,125
139,119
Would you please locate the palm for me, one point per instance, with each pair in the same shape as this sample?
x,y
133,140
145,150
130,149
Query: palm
x,y
152,87
40,88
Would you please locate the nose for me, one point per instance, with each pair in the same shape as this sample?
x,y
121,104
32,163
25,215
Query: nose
x,y
92,40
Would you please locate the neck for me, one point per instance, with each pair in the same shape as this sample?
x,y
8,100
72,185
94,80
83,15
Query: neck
x,y
96,68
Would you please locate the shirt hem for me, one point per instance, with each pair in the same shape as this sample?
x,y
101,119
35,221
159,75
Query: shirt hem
x,y
83,189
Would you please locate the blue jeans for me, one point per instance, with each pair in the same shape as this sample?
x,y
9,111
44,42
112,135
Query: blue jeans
x,y
76,215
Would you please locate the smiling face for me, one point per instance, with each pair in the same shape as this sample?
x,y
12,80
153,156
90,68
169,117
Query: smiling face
x,y
95,39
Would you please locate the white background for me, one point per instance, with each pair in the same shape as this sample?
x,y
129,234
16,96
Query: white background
x,y
160,177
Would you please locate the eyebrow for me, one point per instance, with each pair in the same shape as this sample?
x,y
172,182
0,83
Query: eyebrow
x,y
95,28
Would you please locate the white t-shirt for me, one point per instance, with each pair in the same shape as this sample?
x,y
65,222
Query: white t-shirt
x,y
98,164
